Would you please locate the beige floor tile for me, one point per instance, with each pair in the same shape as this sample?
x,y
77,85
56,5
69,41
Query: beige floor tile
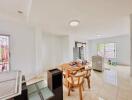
x,y
113,84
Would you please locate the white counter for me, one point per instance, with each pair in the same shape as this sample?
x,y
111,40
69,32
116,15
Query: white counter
x,y
10,84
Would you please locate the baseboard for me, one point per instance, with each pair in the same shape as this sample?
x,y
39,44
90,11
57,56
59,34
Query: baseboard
x,y
123,65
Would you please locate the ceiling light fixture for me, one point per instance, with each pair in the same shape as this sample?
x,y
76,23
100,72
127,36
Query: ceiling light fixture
x,y
74,23
20,12
98,35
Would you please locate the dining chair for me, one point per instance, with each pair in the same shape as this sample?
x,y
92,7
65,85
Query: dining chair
x,y
64,68
87,76
87,69
75,81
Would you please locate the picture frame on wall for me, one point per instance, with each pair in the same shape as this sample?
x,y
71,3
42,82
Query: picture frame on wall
x,y
4,53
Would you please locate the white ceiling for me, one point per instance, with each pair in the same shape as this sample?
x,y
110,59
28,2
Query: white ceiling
x,y
9,8
105,17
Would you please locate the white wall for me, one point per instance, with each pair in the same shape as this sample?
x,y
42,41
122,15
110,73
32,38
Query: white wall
x,y
65,49
131,44
55,50
38,49
32,51
51,51
123,47
22,48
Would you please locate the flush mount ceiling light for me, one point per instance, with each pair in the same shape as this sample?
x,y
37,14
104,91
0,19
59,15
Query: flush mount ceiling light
x,y
74,23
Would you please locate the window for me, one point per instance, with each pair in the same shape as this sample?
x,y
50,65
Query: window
x,y
100,48
4,53
107,50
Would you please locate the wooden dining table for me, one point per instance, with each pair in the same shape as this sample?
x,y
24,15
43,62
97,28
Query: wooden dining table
x,y
72,69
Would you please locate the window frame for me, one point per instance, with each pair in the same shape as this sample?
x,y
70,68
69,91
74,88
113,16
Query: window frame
x,y
104,54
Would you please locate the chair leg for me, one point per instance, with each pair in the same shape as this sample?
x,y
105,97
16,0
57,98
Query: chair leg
x,y
68,84
82,87
89,82
80,92
69,88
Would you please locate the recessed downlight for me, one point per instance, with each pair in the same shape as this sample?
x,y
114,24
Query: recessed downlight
x,y
98,35
74,23
20,12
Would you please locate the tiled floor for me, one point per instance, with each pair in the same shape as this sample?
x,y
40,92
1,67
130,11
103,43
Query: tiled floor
x,y
113,84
